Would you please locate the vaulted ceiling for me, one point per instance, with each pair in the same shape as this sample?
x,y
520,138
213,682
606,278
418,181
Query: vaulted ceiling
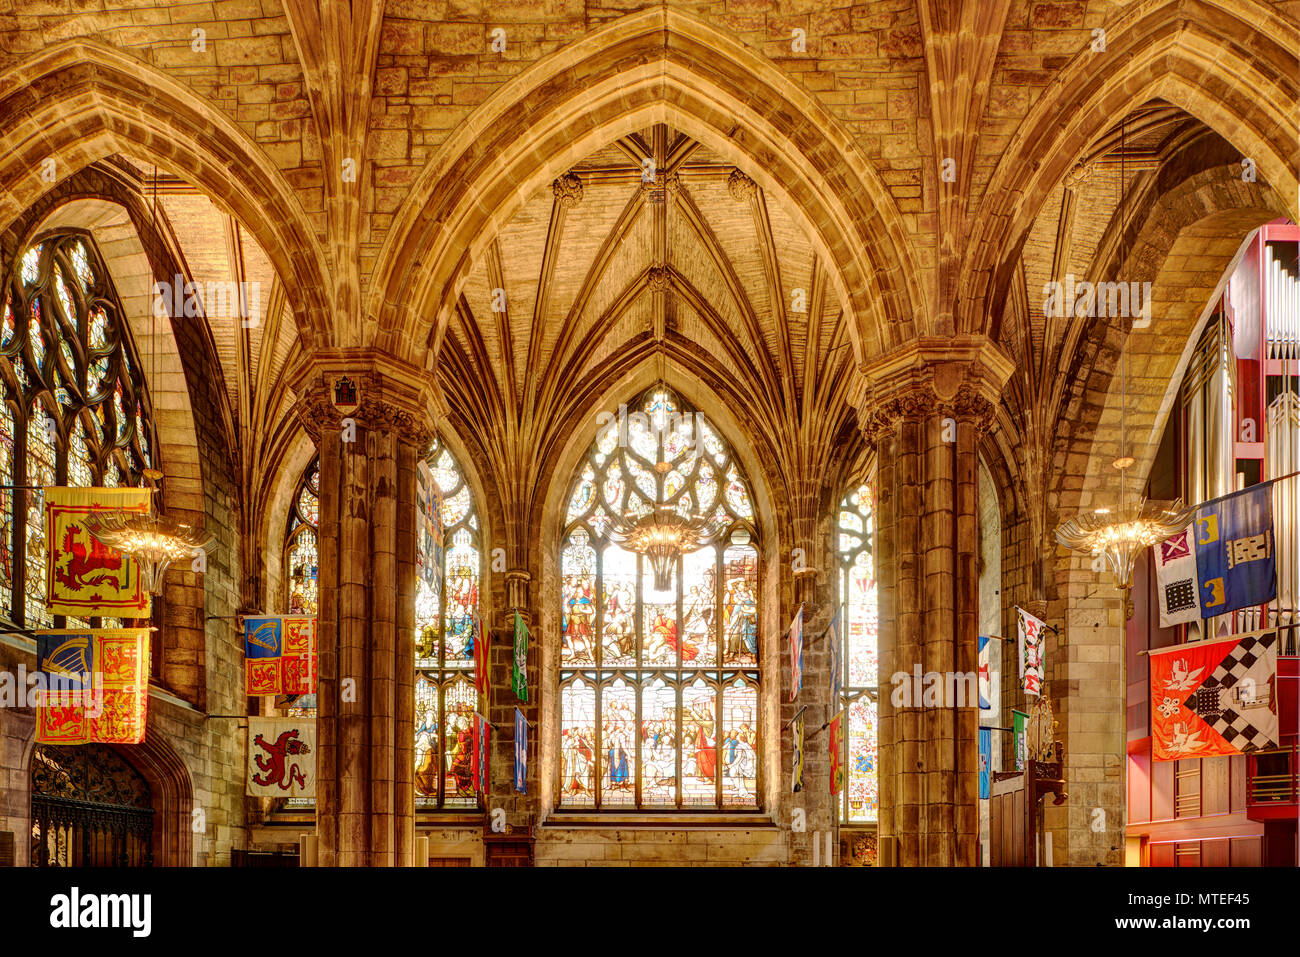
x,y
649,247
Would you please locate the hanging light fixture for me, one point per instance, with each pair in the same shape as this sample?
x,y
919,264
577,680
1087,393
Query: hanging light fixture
x,y
153,540
664,533
1119,535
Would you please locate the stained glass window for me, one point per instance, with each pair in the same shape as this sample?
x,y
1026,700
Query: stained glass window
x,y
300,550
855,532
659,686
67,378
449,569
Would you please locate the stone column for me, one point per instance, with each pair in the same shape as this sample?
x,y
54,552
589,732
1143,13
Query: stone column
x,y
371,421
926,405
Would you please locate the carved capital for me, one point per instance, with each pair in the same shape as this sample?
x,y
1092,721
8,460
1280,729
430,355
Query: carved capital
x,y
1078,176
365,389
740,186
568,190
517,580
959,378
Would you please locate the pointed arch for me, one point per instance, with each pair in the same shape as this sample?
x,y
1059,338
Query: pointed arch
x,y
657,65
1181,51
79,101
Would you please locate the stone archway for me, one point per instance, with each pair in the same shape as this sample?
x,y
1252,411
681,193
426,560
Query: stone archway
x,y
658,65
171,795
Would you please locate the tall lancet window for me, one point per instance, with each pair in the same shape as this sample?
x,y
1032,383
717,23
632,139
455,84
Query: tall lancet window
x,y
659,680
74,409
449,560
855,532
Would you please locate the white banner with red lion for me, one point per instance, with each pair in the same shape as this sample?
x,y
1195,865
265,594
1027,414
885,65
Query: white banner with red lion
x,y
282,757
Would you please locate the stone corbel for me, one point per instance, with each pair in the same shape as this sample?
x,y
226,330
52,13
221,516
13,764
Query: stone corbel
x,y
390,395
517,581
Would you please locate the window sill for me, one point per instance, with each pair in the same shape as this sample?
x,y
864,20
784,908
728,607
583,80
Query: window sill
x,y
660,820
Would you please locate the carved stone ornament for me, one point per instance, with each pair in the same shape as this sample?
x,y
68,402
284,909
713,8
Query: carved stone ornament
x,y
740,186
320,410
958,378
658,279
568,190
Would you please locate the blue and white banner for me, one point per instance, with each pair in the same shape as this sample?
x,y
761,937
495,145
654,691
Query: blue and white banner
x,y
1224,560
986,761
985,673
521,752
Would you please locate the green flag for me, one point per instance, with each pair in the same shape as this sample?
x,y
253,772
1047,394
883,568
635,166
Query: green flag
x,y
1018,719
519,678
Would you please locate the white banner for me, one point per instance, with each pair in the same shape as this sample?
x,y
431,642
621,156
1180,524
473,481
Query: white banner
x,y
1031,645
282,757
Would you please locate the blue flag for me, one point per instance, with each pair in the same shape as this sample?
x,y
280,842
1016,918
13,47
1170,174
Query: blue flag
x,y
986,760
521,752
836,639
1235,558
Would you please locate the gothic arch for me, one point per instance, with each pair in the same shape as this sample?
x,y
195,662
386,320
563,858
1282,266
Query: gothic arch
x,y
771,521
1207,215
171,792
1159,50
81,100
657,65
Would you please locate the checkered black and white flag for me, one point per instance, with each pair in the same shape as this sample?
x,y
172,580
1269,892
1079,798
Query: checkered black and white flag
x,y
1246,712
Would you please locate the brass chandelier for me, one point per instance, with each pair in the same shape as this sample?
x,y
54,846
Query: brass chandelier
x,y
662,535
153,540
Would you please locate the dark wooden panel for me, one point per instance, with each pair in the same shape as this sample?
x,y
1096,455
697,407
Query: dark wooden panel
x,y
6,848
1246,852
1215,854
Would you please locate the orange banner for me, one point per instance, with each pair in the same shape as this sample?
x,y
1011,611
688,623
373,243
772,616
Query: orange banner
x,y
96,686
83,576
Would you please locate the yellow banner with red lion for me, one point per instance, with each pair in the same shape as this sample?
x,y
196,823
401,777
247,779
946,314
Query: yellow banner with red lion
x,y
94,686
83,576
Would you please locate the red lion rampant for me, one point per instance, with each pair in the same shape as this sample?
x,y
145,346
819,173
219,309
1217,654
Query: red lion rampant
x,y
273,768
100,557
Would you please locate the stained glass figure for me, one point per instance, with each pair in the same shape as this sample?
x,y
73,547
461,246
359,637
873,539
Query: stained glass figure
x,y
66,379
649,718
855,528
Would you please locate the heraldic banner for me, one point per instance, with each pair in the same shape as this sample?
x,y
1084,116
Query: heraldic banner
x,y
282,757
1211,698
110,667
279,655
1224,560
83,576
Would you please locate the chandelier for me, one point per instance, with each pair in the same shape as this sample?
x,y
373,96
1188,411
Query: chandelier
x,y
154,541
662,535
1120,535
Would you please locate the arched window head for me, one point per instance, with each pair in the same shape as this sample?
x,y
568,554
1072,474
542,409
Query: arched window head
x,y
75,409
659,685
855,531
